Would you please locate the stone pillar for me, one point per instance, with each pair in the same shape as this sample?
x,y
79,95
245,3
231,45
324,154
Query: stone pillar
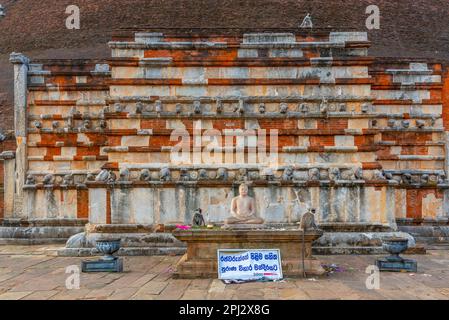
x,y
446,136
8,182
20,63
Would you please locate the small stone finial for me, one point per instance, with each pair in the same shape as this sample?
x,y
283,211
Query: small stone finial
x,y
304,108
184,174
391,123
348,174
405,124
90,177
112,177
307,22
314,174
219,105
31,180
103,176
283,108
324,106
378,175
49,179
202,174
420,124
68,180
334,174
240,108
178,108
358,173
118,107
406,178
388,175
87,124
18,58
124,174
222,174
145,175
139,107
365,108
103,124
197,106
158,106
242,174
287,174
165,174
425,179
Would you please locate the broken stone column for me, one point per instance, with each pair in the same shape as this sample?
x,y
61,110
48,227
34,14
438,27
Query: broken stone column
x,y
20,63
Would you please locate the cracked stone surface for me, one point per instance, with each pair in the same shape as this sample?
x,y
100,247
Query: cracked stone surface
x,y
36,273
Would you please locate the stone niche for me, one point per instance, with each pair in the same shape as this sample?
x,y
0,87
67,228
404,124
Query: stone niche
x,y
336,205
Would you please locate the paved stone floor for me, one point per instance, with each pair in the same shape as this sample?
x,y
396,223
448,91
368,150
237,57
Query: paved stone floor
x,y
35,272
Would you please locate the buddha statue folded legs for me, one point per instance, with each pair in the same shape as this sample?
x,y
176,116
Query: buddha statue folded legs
x,y
243,209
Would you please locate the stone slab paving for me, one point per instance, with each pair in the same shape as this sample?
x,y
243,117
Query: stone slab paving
x,y
37,273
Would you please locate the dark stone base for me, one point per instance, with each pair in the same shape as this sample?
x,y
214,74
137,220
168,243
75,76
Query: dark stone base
x,y
37,235
115,265
405,265
200,261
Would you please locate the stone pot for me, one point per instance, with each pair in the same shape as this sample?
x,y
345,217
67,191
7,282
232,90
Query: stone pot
x,y
108,247
395,246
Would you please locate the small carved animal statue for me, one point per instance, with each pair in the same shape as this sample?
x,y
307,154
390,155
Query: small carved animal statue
x,y
158,106
334,174
288,174
48,179
178,108
314,174
283,108
103,176
145,175
222,174
165,174
124,174
68,180
31,180
139,107
219,106
197,107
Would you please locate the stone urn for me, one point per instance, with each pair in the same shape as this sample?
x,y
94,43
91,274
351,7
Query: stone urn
x,y
395,246
108,247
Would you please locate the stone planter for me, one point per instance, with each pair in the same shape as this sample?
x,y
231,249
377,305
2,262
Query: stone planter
x,y
108,263
108,247
394,262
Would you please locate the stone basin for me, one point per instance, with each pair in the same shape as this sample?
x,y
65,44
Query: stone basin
x,y
200,260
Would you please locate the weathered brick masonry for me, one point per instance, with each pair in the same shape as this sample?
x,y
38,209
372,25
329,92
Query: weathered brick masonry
x,y
360,138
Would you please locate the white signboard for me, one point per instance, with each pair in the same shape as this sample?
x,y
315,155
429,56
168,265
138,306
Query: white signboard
x,y
240,264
